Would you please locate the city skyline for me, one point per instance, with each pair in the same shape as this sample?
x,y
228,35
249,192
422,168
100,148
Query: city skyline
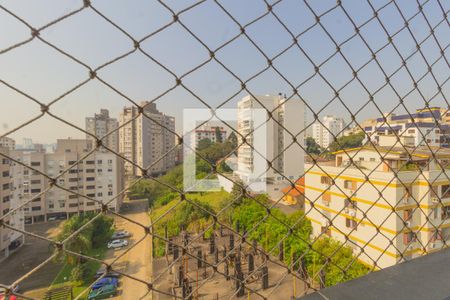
x,y
145,80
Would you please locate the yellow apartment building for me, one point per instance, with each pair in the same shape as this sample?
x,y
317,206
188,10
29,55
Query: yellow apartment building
x,y
389,204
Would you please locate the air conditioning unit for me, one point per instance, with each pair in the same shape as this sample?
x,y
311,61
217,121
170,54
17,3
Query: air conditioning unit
x,y
434,199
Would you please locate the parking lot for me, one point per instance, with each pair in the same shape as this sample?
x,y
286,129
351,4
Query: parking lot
x,y
30,255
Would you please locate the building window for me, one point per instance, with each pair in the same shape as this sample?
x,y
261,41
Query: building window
x,y
5,186
349,203
35,190
407,215
408,237
350,184
99,161
325,180
35,163
5,174
5,199
445,214
326,198
36,208
325,230
73,204
372,159
445,191
350,223
37,181
90,178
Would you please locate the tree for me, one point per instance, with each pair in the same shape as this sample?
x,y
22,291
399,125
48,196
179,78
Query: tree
x,y
203,144
218,134
311,146
346,142
232,138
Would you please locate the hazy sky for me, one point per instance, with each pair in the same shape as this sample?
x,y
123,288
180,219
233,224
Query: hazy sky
x,y
45,74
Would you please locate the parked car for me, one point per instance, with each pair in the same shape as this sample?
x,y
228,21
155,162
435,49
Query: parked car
x,y
106,291
102,271
50,219
117,244
120,234
105,281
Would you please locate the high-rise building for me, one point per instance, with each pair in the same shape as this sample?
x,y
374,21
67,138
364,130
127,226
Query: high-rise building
x,y
98,176
100,125
147,139
9,239
392,206
285,155
325,131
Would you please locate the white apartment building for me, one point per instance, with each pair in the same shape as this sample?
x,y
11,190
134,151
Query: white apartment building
x,y
9,239
428,126
98,176
147,140
209,132
100,125
329,128
277,142
372,211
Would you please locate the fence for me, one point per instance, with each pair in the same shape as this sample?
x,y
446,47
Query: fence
x,y
366,208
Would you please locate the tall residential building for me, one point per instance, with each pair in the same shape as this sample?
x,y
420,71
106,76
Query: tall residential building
x,y
209,132
325,131
98,176
277,142
389,206
147,139
100,125
9,239
427,126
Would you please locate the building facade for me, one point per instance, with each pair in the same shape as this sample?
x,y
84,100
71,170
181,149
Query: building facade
x,y
9,239
427,126
375,200
8,143
98,176
327,130
286,157
100,125
147,139
209,132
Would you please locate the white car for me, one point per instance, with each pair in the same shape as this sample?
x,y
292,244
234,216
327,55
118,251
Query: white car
x,y
117,244
121,234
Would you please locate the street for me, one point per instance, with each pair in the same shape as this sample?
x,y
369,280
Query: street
x,y
138,261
